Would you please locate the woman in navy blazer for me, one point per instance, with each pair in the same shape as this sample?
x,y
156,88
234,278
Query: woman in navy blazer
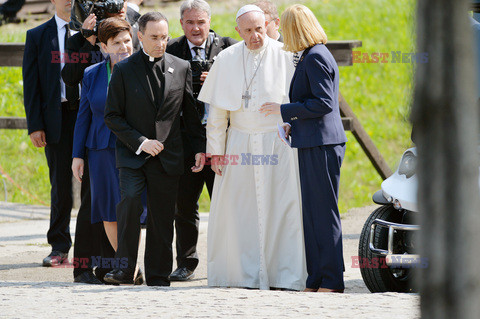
x,y
91,132
317,132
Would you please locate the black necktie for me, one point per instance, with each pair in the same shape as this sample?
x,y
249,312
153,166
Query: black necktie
x,y
197,51
71,93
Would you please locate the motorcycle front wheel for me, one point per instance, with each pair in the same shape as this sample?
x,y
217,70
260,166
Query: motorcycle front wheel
x,y
376,274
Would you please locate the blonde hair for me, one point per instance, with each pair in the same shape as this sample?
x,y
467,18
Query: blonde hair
x,y
300,28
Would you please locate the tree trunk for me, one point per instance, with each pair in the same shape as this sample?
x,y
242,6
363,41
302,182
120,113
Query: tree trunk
x,y
445,116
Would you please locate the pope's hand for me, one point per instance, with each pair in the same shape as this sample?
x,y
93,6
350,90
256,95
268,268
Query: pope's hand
x,y
199,162
38,138
77,168
270,108
203,76
152,147
216,167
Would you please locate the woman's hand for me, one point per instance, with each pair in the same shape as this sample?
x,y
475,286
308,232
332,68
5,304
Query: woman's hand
x,y
286,127
270,108
77,168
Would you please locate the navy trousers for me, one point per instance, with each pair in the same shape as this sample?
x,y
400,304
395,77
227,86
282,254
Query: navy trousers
x,y
319,179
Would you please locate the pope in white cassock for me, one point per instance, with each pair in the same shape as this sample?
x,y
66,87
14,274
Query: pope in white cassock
x,y
255,233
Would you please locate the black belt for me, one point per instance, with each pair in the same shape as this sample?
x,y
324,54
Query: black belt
x,y
71,106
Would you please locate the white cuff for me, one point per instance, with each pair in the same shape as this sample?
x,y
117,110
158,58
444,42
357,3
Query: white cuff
x,y
287,124
140,147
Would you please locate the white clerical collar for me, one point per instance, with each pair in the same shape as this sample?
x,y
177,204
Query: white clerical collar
x,y
265,44
150,58
60,22
191,45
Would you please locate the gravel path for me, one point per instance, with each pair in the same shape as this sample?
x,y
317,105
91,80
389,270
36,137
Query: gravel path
x,y
29,290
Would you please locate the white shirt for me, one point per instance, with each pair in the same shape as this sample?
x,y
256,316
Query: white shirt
x,y
202,52
133,6
61,45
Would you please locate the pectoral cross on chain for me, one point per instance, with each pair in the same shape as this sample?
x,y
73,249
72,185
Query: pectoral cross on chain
x,y
246,97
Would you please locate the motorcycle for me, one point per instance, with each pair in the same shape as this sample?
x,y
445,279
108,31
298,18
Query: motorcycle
x,y
386,251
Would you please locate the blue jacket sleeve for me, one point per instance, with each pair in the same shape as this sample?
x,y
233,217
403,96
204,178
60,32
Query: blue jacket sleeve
x,y
322,96
84,119
31,85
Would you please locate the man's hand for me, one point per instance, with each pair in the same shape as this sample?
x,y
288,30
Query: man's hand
x,y
286,127
89,24
216,167
137,2
77,168
152,147
38,138
203,76
199,162
270,108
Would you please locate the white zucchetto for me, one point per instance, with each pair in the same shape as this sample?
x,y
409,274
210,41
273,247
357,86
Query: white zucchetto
x,y
248,8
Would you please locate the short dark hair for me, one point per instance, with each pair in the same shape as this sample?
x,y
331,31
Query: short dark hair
x,y
150,16
111,27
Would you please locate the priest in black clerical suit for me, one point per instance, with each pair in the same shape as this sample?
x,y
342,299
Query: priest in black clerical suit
x,y
146,95
200,41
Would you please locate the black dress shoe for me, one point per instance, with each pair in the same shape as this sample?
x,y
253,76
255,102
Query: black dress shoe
x,y
181,274
87,277
54,259
119,277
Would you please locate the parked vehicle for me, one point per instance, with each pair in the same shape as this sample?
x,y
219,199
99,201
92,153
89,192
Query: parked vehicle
x,y
387,257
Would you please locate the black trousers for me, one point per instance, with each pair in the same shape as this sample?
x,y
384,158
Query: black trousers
x,y
91,241
59,160
186,215
161,195
11,7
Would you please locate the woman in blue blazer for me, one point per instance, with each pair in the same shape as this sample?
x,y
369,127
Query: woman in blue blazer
x,y
317,132
92,134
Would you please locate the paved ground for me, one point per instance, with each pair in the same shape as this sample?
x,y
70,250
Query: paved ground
x,y
29,290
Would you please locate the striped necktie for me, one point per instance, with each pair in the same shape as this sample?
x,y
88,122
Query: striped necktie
x,y
296,58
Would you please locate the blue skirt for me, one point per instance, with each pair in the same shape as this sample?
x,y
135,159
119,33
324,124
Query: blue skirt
x,y
104,185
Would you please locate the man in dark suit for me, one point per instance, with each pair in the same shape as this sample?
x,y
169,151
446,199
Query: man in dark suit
x,y
51,109
90,239
195,21
83,52
146,95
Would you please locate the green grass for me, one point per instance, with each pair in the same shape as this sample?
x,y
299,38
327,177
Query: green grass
x,y
379,94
